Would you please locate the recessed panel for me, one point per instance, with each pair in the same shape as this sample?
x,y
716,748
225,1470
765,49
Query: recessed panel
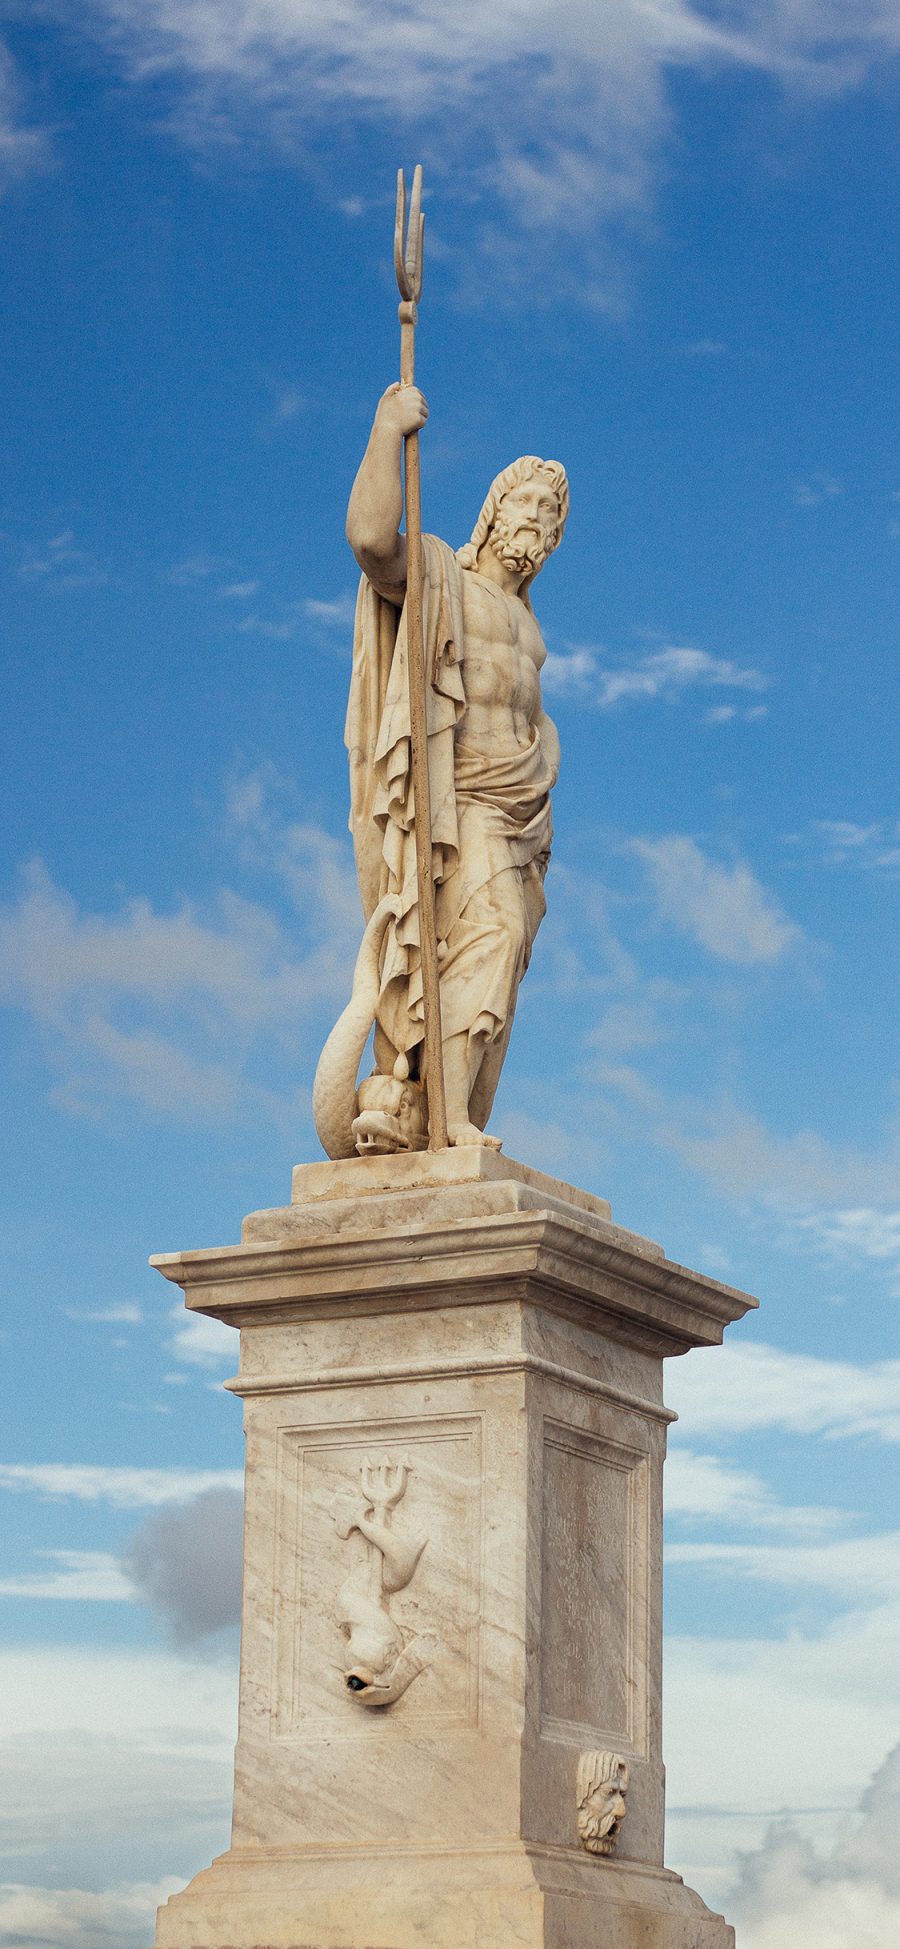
x,y
378,1576
594,1590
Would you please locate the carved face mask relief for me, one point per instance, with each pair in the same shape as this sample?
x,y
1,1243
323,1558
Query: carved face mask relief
x,y
601,1788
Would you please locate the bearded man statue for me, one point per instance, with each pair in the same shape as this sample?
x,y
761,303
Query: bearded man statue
x,y
493,760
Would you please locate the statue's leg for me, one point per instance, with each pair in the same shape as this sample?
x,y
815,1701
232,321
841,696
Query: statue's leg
x,y
480,975
385,1052
462,1055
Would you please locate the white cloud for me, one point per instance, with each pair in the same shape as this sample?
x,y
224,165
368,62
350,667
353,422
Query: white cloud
x,y
239,591
23,148
203,1342
771,1722
792,1895
126,1313
847,1569
337,614
758,1386
872,848
566,109
170,1701
197,569
667,674
818,488
60,563
78,1574
860,1233
569,674
81,1918
724,908
120,1487
115,1768
315,868
275,632
737,1151
165,1009
730,714
704,1488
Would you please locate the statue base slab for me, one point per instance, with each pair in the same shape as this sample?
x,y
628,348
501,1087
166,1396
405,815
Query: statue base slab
x,y
490,1898
451,1369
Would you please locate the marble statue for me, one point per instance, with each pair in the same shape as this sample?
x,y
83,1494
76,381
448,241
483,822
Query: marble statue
x,y
493,760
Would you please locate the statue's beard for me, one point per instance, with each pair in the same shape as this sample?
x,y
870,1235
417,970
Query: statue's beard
x,y
521,548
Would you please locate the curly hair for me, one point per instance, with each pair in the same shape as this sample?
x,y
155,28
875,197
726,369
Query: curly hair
x,y
514,475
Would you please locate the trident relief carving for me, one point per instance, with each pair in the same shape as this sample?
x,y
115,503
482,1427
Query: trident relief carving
x,y
379,1661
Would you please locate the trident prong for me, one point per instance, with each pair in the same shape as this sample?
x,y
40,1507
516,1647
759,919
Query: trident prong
x,y
384,1483
408,254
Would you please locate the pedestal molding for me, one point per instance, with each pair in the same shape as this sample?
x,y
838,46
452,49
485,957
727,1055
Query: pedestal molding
x,y
569,1259
337,1377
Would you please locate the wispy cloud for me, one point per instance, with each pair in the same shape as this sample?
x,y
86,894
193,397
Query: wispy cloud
x,y
23,147
724,908
668,675
567,109
196,569
335,614
706,1489
871,848
850,1569
126,1313
119,1487
202,1342
861,1233
77,1575
238,591
60,563
164,1009
794,1172
818,488
762,1387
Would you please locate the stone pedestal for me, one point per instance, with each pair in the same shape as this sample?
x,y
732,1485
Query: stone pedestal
x,y
452,1375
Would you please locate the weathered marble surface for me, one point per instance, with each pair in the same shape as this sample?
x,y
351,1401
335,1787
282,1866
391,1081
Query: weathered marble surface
x,y
493,759
498,1343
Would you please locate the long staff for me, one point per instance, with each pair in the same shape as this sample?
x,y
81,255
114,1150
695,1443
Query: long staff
x,y
408,265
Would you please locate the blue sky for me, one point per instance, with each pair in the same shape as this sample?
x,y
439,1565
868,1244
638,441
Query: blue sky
x,y
661,247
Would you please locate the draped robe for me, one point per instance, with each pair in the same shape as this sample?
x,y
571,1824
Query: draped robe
x,y
491,829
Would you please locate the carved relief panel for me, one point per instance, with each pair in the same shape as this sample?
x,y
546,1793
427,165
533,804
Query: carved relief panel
x,y
594,1591
378,1575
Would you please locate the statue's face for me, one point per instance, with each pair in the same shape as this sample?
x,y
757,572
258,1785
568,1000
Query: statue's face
x,y
526,525
602,1816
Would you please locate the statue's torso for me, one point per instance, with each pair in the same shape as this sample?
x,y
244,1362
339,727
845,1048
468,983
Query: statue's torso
x,y
504,651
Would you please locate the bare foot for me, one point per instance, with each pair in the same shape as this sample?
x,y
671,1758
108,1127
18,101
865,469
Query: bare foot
x,y
468,1133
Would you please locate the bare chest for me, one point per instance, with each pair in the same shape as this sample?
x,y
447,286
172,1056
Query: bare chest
x,y
504,649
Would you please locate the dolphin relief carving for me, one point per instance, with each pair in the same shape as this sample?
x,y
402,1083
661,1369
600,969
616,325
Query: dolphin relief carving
x,y
379,1662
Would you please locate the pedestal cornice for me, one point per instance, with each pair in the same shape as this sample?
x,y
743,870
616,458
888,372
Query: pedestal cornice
x,y
589,1270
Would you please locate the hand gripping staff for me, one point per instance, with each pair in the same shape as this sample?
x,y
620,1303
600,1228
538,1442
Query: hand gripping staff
x,y
408,266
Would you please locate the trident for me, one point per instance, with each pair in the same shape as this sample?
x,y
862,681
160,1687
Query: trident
x,y
408,266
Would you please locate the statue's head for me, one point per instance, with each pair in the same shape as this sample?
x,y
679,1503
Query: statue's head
x,y
523,517
601,1787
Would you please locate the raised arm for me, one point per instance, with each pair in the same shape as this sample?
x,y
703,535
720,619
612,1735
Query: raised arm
x,y
376,501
